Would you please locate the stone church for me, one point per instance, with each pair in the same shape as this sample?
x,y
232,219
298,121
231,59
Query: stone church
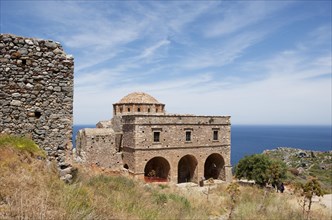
x,y
150,144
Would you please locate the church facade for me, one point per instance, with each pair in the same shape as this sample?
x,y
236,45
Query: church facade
x,y
148,143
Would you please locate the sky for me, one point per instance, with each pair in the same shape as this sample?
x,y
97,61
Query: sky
x,y
261,62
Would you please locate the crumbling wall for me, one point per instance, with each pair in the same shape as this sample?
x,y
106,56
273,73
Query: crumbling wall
x,y
36,93
98,146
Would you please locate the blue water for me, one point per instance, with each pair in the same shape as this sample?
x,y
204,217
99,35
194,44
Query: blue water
x,y
252,139
247,140
76,128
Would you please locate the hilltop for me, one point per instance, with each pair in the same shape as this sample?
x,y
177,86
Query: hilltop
x,y
30,188
304,163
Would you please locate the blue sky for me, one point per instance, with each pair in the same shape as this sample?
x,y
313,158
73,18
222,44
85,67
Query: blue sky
x,y
262,62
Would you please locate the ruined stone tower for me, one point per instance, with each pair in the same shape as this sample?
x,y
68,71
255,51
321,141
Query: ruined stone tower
x,y
36,93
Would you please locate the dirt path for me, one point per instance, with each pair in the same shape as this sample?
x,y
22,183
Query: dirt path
x,y
325,201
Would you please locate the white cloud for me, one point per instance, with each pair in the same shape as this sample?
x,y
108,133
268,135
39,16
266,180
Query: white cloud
x,y
241,15
197,57
223,54
150,51
283,95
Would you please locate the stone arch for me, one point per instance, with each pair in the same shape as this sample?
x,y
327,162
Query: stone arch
x,y
157,169
214,167
187,169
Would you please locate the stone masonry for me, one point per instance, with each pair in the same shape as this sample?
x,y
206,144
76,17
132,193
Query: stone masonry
x,y
36,94
142,139
100,142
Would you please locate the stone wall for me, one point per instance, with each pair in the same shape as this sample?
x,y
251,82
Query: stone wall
x,y
139,130
131,109
99,146
173,156
140,147
36,93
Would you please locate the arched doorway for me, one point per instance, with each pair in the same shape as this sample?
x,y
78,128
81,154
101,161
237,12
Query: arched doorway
x,y
187,169
214,167
157,170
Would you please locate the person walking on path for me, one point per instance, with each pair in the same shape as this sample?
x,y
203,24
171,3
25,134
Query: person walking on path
x,y
282,187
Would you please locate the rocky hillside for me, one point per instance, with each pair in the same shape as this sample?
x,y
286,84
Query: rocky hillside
x,y
304,163
30,188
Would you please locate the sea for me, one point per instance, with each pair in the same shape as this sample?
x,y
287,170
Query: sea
x,y
254,139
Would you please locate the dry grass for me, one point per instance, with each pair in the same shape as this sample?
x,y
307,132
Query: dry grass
x,y
257,203
30,189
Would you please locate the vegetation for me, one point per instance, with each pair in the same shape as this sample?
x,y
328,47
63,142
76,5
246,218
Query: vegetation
x,y
307,191
31,189
234,192
23,144
302,165
252,202
261,169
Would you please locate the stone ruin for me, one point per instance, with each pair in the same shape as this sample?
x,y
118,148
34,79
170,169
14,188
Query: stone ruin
x,y
36,95
144,141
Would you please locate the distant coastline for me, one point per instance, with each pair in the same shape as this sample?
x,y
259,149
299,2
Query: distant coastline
x,y
252,139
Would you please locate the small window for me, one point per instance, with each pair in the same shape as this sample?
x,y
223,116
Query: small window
x,y
37,114
215,135
121,109
148,109
156,110
128,109
188,135
156,136
139,109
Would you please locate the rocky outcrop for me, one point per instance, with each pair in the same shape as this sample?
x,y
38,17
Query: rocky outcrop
x,y
302,160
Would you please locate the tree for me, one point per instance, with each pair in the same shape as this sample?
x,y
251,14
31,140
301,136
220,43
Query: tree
x,y
307,191
261,169
276,172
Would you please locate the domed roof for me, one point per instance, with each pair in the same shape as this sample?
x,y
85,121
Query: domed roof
x,y
138,98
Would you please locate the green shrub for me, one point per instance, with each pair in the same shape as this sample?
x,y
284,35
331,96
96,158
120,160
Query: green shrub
x,y
261,169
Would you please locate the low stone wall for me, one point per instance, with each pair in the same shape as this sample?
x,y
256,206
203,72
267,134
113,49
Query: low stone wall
x,y
36,93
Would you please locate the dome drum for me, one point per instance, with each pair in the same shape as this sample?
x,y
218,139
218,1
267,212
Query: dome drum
x,y
138,103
